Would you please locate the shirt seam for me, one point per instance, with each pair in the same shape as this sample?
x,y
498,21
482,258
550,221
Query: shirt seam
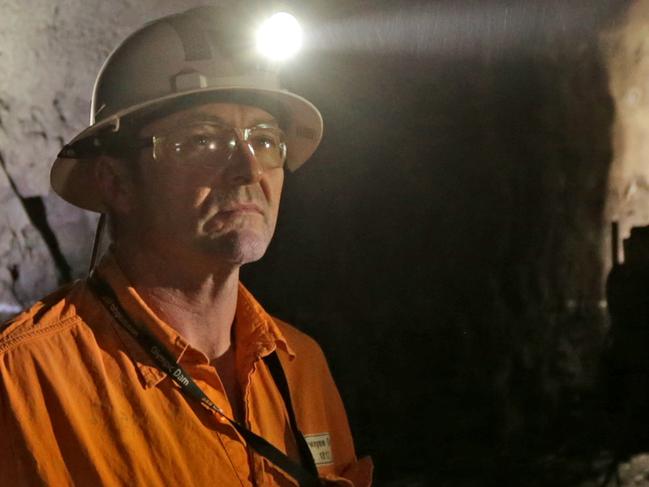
x,y
25,337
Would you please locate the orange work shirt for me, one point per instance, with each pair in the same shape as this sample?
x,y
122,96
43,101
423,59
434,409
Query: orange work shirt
x,y
82,403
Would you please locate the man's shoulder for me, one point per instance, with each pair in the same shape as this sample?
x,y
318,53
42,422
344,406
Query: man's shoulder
x,y
295,337
304,346
51,314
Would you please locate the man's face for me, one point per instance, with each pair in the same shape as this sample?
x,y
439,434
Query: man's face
x,y
220,207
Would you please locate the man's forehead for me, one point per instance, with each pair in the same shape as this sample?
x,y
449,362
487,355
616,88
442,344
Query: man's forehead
x,y
234,114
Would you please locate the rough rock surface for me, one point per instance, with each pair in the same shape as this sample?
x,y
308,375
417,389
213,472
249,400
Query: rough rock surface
x,y
27,269
626,50
50,53
627,53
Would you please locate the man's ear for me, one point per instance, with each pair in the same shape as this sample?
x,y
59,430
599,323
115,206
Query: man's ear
x,y
115,183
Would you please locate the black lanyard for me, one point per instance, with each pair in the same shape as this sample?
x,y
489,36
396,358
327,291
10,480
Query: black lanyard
x,y
305,473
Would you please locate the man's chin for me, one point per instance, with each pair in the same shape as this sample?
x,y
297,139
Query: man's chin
x,y
236,248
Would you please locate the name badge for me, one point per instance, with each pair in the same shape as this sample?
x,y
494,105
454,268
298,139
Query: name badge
x,y
320,446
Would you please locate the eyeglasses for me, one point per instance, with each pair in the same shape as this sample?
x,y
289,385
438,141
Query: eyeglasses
x,y
204,142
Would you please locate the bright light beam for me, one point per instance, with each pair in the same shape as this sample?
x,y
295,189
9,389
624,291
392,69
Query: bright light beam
x,y
455,28
279,37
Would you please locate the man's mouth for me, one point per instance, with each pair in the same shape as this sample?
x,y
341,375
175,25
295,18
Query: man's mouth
x,y
229,213
240,208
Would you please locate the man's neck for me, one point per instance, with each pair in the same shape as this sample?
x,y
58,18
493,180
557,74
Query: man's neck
x,y
198,299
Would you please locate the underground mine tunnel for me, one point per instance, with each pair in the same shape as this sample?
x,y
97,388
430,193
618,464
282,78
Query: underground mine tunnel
x,y
483,170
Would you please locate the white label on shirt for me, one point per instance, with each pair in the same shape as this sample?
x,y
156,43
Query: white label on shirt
x,y
320,446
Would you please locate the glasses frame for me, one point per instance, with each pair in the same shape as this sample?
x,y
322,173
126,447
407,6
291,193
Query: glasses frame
x,y
242,135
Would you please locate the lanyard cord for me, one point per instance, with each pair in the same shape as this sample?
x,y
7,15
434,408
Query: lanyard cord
x,y
306,477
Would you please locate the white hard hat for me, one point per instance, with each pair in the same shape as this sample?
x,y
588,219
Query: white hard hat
x,y
201,55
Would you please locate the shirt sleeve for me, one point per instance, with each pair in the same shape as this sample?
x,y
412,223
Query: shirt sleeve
x,y
16,465
348,469
321,414
29,454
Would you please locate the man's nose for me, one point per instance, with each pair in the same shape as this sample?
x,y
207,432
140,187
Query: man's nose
x,y
244,168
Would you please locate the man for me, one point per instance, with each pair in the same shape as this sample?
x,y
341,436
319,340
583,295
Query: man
x,y
161,368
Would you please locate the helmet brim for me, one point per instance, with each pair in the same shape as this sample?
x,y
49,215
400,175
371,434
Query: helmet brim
x,y
74,180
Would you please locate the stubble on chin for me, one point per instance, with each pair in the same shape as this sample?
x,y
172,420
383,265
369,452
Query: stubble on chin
x,y
236,247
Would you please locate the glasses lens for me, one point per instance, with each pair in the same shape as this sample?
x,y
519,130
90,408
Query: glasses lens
x,y
196,142
268,145
205,143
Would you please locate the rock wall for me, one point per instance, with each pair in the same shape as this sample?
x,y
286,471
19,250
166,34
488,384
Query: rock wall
x,y
50,53
627,53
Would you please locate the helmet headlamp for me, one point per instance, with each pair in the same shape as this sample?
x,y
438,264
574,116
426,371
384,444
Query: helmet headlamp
x,y
279,37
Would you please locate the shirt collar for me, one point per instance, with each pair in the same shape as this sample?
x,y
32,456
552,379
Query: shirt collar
x,y
255,332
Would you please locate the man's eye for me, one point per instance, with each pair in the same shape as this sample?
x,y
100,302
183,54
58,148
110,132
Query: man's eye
x,y
265,142
206,142
202,140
